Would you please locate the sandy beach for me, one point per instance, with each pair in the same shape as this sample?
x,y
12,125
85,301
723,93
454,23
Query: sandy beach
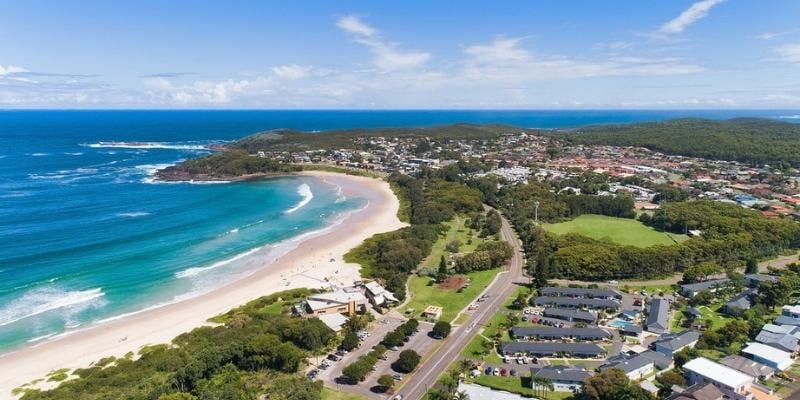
x,y
316,258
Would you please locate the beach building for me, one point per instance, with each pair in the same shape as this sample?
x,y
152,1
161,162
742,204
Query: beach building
x,y
748,366
732,383
658,316
338,302
333,321
564,379
433,312
378,295
673,343
769,356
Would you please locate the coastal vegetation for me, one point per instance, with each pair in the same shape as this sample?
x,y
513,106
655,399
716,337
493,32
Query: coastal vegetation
x,y
730,236
255,354
291,140
225,165
750,140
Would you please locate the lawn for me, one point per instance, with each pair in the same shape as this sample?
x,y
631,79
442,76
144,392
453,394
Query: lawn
x,y
619,230
423,293
516,385
456,230
330,394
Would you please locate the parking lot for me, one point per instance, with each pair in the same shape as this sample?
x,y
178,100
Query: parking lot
x,y
421,342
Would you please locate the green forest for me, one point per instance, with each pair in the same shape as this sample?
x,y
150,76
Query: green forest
x,y
750,140
254,354
228,164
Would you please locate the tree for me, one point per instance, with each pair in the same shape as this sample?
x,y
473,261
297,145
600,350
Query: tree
x,y
752,266
453,246
350,341
683,356
386,381
407,361
669,378
772,294
441,329
701,271
604,385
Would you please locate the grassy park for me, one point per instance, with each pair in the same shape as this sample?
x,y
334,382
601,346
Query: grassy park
x,y
424,293
456,230
330,394
619,230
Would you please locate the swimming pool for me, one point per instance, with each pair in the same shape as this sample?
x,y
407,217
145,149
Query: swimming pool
x,y
619,323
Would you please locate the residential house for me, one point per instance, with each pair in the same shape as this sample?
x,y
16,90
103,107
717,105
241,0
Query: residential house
x,y
768,355
755,280
778,337
732,383
564,379
700,391
741,302
609,294
634,331
577,302
552,349
692,289
658,316
636,367
551,333
570,315
748,366
670,344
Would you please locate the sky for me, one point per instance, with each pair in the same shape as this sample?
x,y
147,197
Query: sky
x,y
545,54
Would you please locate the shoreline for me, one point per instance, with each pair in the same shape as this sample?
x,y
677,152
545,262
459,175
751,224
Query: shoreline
x,y
315,262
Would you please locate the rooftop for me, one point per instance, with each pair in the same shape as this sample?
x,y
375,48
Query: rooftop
x,y
567,313
747,366
580,292
781,358
705,285
679,340
552,347
561,332
562,373
718,372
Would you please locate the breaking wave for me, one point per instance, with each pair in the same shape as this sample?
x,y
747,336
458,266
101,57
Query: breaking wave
x,y
187,273
134,214
43,300
305,191
146,145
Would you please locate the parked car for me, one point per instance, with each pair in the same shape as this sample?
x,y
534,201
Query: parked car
x,y
513,372
503,372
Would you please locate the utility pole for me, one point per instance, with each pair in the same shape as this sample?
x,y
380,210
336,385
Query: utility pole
x,y
536,211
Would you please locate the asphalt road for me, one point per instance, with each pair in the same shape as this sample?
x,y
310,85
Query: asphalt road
x,y
503,287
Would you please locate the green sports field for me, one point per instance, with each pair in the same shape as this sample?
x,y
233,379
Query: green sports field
x,y
619,230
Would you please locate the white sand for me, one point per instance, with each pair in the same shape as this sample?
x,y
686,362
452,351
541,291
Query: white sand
x,y
308,265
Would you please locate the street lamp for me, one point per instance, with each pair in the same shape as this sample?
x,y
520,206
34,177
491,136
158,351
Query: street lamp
x,y
536,211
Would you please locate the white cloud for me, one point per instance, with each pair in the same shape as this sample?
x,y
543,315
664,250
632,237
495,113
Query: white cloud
x,y
386,55
11,69
501,50
292,71
694,13
789,53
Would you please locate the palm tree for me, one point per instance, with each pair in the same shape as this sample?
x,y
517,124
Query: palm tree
x,y
460,395
465,365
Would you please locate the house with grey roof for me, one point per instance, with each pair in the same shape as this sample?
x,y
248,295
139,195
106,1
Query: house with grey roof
x,y
631,330
741,302
589,293
635,367
552,349
570,315
779,340
552,333
692,289
755,280
658,316
673,343
577,302
564,378
748,366
660,360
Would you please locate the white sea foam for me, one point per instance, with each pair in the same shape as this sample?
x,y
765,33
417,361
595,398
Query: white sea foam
x,y
134,214
305,191
194,271
147,145
77,153
38,338
39,301
37,154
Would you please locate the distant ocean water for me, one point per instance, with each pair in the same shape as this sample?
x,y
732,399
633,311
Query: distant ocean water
x,y
86,235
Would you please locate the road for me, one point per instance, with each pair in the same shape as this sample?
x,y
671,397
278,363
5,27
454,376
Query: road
x,y
502,287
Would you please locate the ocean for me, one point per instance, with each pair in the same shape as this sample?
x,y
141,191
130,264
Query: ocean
x,y
87,235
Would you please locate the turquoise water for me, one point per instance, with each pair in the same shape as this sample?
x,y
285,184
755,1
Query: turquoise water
x,y
86,235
